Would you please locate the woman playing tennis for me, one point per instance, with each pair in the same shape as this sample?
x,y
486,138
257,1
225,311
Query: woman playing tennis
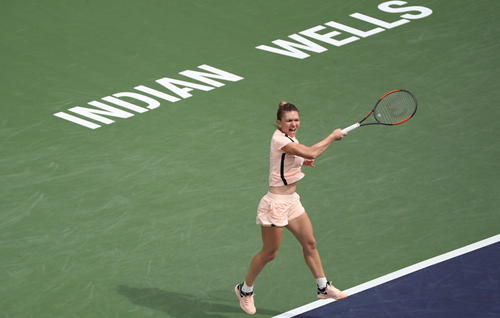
x,y
281,208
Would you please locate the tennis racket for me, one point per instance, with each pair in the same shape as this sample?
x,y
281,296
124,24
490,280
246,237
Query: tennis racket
x,y
394,108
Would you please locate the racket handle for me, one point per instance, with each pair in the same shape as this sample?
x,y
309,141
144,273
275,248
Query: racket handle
x,y
352,127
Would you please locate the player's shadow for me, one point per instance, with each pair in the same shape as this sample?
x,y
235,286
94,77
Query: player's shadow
x,y
180,305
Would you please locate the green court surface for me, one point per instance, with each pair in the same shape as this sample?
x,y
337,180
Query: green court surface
x,y
153,215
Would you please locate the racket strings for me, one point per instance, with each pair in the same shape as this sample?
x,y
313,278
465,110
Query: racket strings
x,y
395,107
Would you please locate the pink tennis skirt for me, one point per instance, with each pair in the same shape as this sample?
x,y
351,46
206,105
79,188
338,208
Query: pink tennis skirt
x,y
278,210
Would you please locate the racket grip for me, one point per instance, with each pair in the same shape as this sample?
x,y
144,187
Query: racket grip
x,y
352,127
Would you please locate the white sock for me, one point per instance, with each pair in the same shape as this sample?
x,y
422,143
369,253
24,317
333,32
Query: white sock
x,y
246,289
321,282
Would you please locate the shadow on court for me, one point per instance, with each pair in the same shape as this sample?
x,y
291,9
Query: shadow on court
x,y
180,305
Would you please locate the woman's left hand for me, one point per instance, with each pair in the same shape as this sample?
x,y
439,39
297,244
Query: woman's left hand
x,y
308,163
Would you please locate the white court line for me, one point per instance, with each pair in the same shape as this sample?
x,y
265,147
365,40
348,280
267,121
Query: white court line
x,y
395,275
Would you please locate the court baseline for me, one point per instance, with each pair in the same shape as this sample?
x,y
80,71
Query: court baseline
x,y
395,275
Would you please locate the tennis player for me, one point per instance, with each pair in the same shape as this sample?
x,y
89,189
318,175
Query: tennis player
x,y
281,208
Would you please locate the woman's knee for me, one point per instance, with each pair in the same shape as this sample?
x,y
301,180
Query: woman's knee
x,y
268,256
310,245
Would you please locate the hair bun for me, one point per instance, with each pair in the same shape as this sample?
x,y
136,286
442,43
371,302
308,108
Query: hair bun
x,y
285,107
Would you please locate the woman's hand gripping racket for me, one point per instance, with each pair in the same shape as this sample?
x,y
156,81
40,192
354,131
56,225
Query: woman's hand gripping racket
x,y
394,108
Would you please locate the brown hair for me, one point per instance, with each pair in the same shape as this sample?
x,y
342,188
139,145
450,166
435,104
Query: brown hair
x,y
285,107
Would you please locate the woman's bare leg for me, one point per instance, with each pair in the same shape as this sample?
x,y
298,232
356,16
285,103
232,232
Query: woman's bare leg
x,y
271,240
302,228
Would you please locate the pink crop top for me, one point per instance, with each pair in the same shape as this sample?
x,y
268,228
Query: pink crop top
x,y
284,168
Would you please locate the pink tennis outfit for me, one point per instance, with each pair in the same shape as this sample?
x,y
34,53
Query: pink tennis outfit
x,y
284,169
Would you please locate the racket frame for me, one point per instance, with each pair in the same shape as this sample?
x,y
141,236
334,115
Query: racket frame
x,y
360,123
